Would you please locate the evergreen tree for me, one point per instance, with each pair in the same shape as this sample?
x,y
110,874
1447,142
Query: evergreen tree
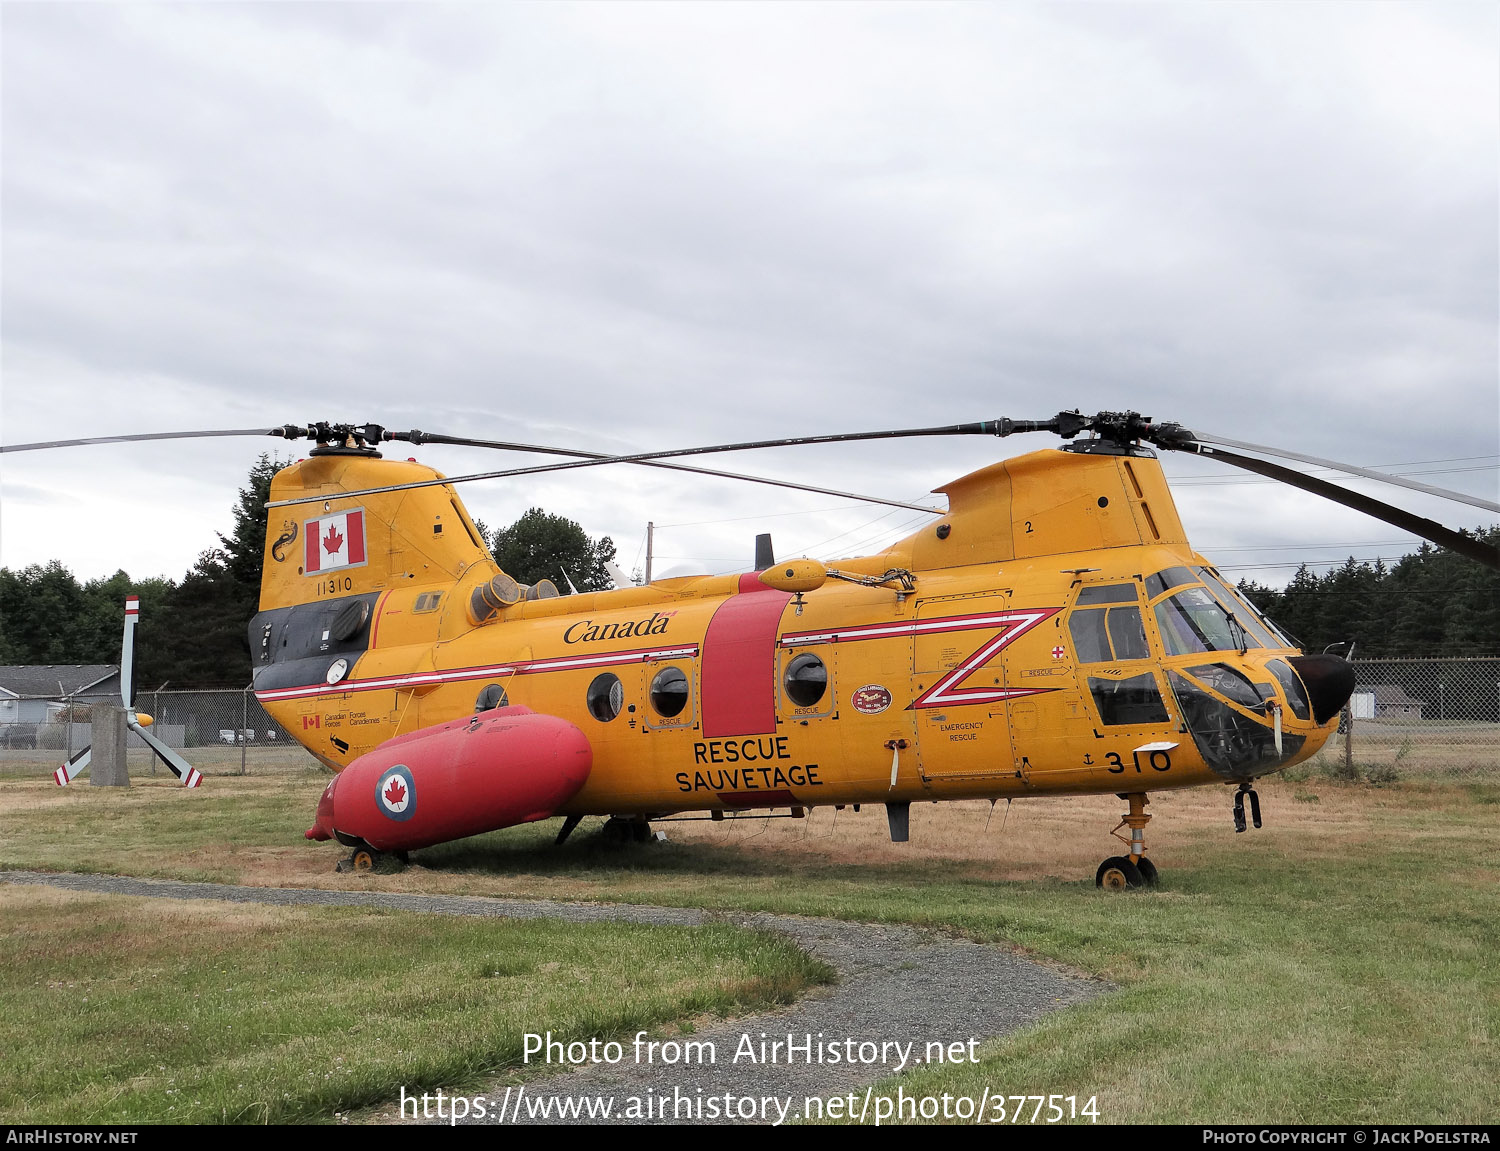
x,y
213,605
540,546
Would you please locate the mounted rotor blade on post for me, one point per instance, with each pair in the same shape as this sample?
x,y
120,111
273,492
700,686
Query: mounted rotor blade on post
x,y
135,721
111,769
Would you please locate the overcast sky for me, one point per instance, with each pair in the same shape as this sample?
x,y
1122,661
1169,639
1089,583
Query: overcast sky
x,y
624,227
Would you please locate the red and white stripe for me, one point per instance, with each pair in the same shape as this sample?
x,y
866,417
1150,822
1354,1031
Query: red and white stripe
x,y
934,626
486,671
68,772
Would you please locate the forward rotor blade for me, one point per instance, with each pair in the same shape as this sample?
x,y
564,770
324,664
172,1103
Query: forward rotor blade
x,y
134,439
1002,427
68,772
178,766
1351,469
127,651
1429,530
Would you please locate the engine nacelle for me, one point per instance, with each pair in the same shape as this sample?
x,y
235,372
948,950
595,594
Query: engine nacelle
x,y
494,769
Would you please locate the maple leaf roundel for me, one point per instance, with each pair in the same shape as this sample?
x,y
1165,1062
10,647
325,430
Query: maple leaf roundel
x,y
396,794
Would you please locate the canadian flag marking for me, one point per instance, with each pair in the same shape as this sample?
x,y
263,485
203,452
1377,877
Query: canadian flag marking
x,y
334,542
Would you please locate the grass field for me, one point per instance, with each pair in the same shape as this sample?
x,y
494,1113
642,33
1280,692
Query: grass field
x,y
1337,966
122,1010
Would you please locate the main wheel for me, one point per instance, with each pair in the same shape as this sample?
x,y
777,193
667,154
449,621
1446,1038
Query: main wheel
x,y
364,859
1118,873
1147,870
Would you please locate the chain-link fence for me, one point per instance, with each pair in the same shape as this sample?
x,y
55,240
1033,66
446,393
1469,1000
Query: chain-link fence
x,y
1418,717
223,732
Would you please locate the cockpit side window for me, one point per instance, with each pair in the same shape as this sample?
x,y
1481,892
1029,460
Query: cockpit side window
x,y
1127,634
1107,593
1090,636
1167,579
1104,634
1133,702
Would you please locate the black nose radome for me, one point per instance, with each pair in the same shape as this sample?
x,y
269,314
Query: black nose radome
x,y
1329,680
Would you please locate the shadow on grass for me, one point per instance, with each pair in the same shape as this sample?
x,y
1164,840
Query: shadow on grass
x,y
591,854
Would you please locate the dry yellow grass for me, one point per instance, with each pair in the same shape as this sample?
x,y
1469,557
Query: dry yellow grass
x,y
248,830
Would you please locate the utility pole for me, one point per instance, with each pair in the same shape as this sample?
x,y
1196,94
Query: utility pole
x,y
650,532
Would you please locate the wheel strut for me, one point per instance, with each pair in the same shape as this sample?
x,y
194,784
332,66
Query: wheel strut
x,y
1135,869
1135,819
1239,806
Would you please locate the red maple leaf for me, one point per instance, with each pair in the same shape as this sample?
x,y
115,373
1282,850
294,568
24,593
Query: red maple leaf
x,y
333,541
395,791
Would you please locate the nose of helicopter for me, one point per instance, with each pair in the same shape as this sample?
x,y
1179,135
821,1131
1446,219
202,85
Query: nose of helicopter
x,y
1329,680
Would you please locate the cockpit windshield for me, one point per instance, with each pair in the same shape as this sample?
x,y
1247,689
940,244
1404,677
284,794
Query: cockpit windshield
x,y
1192,621
1262,628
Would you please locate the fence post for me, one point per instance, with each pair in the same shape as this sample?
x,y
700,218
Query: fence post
x,y
1349,738
244,721
69,714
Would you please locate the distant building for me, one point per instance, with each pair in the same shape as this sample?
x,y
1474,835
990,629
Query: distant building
x,y
31,696
1392,702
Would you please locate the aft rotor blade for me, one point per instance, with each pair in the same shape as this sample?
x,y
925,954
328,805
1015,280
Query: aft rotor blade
x,y
1351,469
138,438
181,768
1429,530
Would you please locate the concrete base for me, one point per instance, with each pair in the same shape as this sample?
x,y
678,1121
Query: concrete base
x,y
107,759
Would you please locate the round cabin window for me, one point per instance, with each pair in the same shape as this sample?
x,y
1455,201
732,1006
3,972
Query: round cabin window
x,y
492,696
669,692
806,680
606,696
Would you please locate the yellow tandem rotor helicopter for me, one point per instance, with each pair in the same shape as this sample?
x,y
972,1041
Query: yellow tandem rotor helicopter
x,y
1052,633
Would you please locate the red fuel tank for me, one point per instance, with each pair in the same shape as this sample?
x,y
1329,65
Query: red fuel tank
x,y
491,770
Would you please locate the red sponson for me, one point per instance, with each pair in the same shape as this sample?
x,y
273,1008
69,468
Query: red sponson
x,y
456,779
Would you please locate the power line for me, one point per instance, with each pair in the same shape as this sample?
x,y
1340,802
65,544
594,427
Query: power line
x,y
1301,544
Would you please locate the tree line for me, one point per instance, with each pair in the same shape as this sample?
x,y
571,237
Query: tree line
x,y
192,631
1432,602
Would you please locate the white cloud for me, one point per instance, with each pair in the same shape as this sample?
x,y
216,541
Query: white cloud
x,y
626,227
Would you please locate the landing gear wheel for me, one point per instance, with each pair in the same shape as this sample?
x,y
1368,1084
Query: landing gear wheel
x,y
364,859
620,831
1147,870
1118,873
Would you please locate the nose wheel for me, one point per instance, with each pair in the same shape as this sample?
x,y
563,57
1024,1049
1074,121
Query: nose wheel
x,y
1134,870
1246,792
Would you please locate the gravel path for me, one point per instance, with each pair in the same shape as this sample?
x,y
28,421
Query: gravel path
x,y
897,985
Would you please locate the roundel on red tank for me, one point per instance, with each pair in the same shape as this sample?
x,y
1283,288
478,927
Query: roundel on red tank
x,y
396,794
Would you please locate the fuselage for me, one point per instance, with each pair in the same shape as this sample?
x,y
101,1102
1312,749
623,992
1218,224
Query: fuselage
x,y
1055,633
